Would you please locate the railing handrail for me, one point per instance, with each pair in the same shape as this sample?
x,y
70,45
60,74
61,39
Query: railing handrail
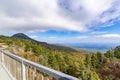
x,y
46,70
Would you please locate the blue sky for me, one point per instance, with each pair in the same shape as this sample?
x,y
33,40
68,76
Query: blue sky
x,y
62,21
109,34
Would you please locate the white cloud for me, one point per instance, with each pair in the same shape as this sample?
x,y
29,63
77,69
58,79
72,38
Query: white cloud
x,y
52,37
97,38
34,37
110,36
103,38
100,36
98,32
80,37
42,15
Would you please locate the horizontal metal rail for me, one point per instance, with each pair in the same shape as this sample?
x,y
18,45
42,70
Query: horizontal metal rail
x,y
50,72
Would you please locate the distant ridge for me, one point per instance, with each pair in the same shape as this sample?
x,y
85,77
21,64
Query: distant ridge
x,y
21,35
44,44
24,36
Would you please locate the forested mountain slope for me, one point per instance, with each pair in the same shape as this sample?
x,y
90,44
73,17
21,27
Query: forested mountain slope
x,y
44,44
83,65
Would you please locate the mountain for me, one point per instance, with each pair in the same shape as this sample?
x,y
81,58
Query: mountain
x,y
21,35
65,59
44,44
57,57
102,47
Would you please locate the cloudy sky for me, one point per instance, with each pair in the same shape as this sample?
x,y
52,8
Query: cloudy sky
x,y
61,21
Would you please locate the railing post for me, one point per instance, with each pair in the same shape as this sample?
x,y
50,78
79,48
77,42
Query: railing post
x,y
2,58
23,71
6,58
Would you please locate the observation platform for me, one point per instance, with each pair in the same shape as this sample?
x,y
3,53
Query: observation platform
x,y
13,67
3,74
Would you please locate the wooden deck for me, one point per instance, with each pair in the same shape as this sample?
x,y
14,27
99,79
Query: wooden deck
x,y
3,74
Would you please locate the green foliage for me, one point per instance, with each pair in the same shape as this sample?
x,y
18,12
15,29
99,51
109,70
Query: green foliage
x,y
84,66
88,60
117,52
95,61
113,53
108,54
94,76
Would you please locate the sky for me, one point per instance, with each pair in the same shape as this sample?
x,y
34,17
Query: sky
x,y
62,21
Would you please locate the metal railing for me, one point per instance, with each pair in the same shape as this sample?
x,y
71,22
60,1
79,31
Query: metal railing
x,y
21,69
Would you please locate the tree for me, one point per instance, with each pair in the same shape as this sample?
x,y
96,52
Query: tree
x,y
88,60
100,57
95,61
117,52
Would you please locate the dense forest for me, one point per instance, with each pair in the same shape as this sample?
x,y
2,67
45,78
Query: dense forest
x,y
85,66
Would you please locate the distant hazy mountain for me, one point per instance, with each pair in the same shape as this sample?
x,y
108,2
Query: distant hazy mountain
x,y
94,46
48,46
21,35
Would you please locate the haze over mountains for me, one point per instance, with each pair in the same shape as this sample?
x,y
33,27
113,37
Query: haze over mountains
x,y
86,46
103,47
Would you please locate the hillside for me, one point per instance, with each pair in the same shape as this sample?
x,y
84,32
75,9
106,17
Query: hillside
x,y
85,66
68,61
44,44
